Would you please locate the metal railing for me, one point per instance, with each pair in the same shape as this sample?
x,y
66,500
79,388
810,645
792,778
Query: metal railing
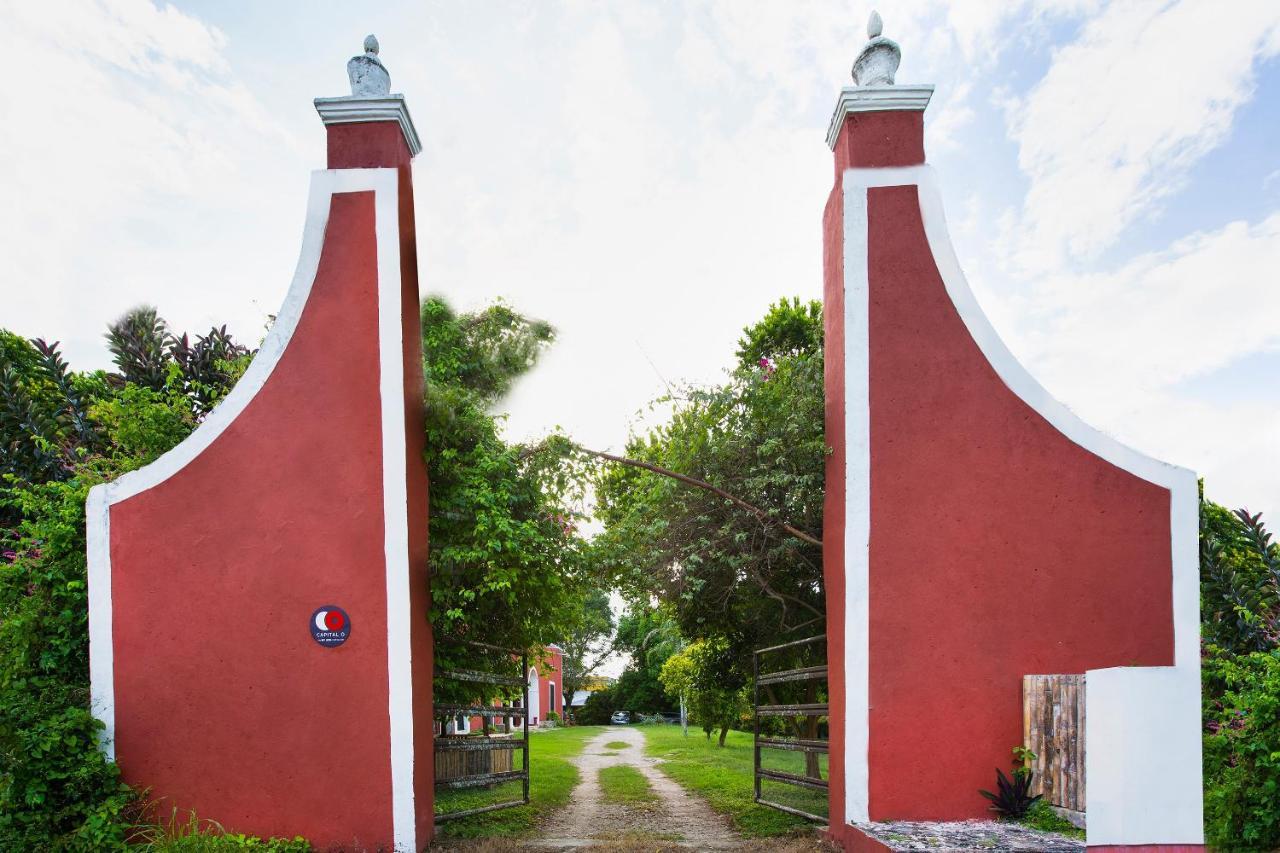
x,y
808,673
485,744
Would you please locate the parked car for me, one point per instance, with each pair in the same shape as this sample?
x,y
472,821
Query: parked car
x,y
620,718
670,717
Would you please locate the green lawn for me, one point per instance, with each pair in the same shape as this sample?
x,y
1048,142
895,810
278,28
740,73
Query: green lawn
x,y
723,777
624,784
552,777
617,744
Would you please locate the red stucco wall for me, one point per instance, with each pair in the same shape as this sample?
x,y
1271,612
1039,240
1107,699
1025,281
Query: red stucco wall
x,y
223,701
998,547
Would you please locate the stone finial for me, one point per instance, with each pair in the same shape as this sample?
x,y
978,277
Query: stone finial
x,y
369,77
878,61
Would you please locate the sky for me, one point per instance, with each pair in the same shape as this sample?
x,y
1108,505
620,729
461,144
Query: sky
x,y
648,177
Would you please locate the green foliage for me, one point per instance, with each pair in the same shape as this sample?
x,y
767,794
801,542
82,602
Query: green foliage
x,y
723,777
56,788
586,643
138,342
596,711
1013,798
1042,817
729,573
1242,749
648,636
507,564
789,329
624,784
715,692
61,433
1239,580
193,835
551,780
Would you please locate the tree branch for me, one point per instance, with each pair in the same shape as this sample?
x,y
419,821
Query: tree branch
x,y
702,484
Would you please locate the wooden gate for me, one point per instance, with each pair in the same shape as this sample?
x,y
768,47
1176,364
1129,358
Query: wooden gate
x,y
1053,728
473,762
807,746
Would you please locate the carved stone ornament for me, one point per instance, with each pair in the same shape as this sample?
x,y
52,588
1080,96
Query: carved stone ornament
x,y
369,77
878,61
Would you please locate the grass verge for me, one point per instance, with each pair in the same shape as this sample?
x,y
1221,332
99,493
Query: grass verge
x,y
617,744
624,784
551,779
723,776
1043,817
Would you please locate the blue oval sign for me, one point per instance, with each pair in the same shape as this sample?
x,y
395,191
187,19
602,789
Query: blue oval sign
x,y
330,625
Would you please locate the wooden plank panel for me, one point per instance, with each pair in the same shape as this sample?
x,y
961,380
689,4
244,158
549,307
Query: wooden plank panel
x,y
1053,728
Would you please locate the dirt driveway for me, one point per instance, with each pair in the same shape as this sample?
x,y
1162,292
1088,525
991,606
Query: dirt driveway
x,y
677,820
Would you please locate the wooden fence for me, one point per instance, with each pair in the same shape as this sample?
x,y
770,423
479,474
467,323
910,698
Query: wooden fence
x,y
1053,728
457,763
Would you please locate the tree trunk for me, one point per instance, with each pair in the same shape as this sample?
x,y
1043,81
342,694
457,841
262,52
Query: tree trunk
x,y
724,731
811,767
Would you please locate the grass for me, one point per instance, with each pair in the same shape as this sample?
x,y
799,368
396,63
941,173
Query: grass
x,y
551,779
617,744
1044,818
724,778
624,784
175,834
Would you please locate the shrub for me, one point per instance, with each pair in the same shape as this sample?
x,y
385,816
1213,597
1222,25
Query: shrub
x,y
597,709
1242,750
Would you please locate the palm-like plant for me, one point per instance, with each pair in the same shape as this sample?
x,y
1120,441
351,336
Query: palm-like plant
x,y
1013,797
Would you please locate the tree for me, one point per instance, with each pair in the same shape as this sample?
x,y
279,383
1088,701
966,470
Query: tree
x,y
648,636
586,644
507,564
704,672
731,574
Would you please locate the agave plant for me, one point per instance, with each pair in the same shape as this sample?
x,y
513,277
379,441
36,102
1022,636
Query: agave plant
x,y
1013,797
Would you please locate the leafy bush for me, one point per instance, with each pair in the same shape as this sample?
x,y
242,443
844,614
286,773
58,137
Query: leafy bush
x,y
596,710
60,434
1242,750
1239,580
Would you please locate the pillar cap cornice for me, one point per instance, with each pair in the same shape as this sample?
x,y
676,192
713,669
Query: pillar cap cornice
x,y
352,109
869,99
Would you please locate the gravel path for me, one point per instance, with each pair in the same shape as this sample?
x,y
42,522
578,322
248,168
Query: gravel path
x,y
677,818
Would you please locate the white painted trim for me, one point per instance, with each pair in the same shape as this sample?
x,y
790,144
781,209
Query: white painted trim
x,y
535,697
102,679
325,184
874,99
395,506
857,508
1143,764
351,109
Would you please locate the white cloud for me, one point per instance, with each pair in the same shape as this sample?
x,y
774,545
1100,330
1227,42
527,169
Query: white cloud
x,y
1164,317
132,156
1118,346
1112,129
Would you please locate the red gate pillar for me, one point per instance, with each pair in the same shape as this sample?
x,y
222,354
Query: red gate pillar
x,y
976,531
259,637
